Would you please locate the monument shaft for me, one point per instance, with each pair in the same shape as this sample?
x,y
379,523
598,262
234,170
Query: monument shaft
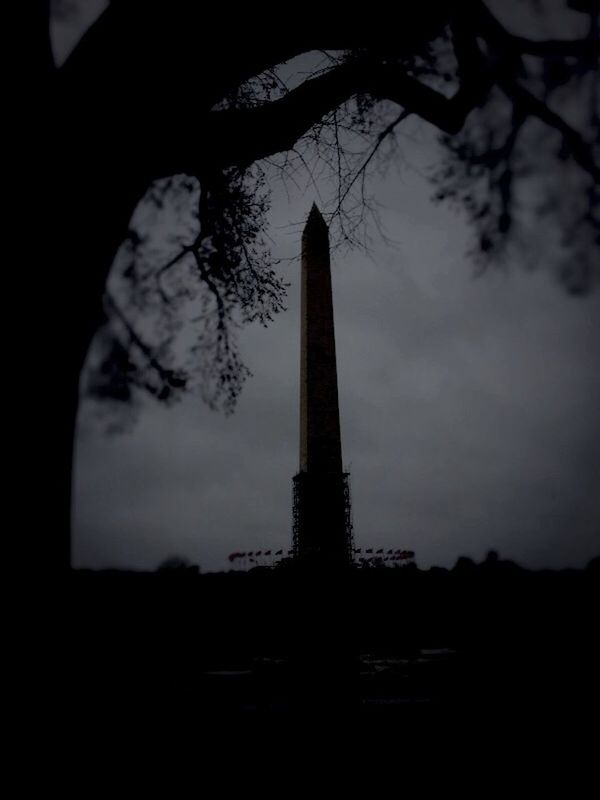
x,y
320,440
321,490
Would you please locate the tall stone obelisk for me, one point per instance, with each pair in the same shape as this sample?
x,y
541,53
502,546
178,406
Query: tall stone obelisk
x,y
321,500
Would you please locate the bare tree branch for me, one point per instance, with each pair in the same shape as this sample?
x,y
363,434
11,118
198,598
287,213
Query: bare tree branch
x,y
574,48
166,375
277,126
380,139
530,105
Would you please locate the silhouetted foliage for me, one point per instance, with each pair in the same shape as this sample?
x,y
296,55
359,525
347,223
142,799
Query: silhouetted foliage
x,y
177,564
518,121
177,297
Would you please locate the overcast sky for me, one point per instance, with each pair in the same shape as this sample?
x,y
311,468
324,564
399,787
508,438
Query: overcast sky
x,y
469,413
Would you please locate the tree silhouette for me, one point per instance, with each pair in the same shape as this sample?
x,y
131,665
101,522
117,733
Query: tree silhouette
x,y
174,103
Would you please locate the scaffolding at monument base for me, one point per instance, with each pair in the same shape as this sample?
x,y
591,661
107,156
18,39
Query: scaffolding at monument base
x,y
299,483
349,522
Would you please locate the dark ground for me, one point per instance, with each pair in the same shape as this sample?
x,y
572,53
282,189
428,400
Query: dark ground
x,y
480,642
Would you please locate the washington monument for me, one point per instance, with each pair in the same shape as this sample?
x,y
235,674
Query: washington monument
x,y
322,528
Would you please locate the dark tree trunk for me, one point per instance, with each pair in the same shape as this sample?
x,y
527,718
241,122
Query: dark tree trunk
x,y
88,211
